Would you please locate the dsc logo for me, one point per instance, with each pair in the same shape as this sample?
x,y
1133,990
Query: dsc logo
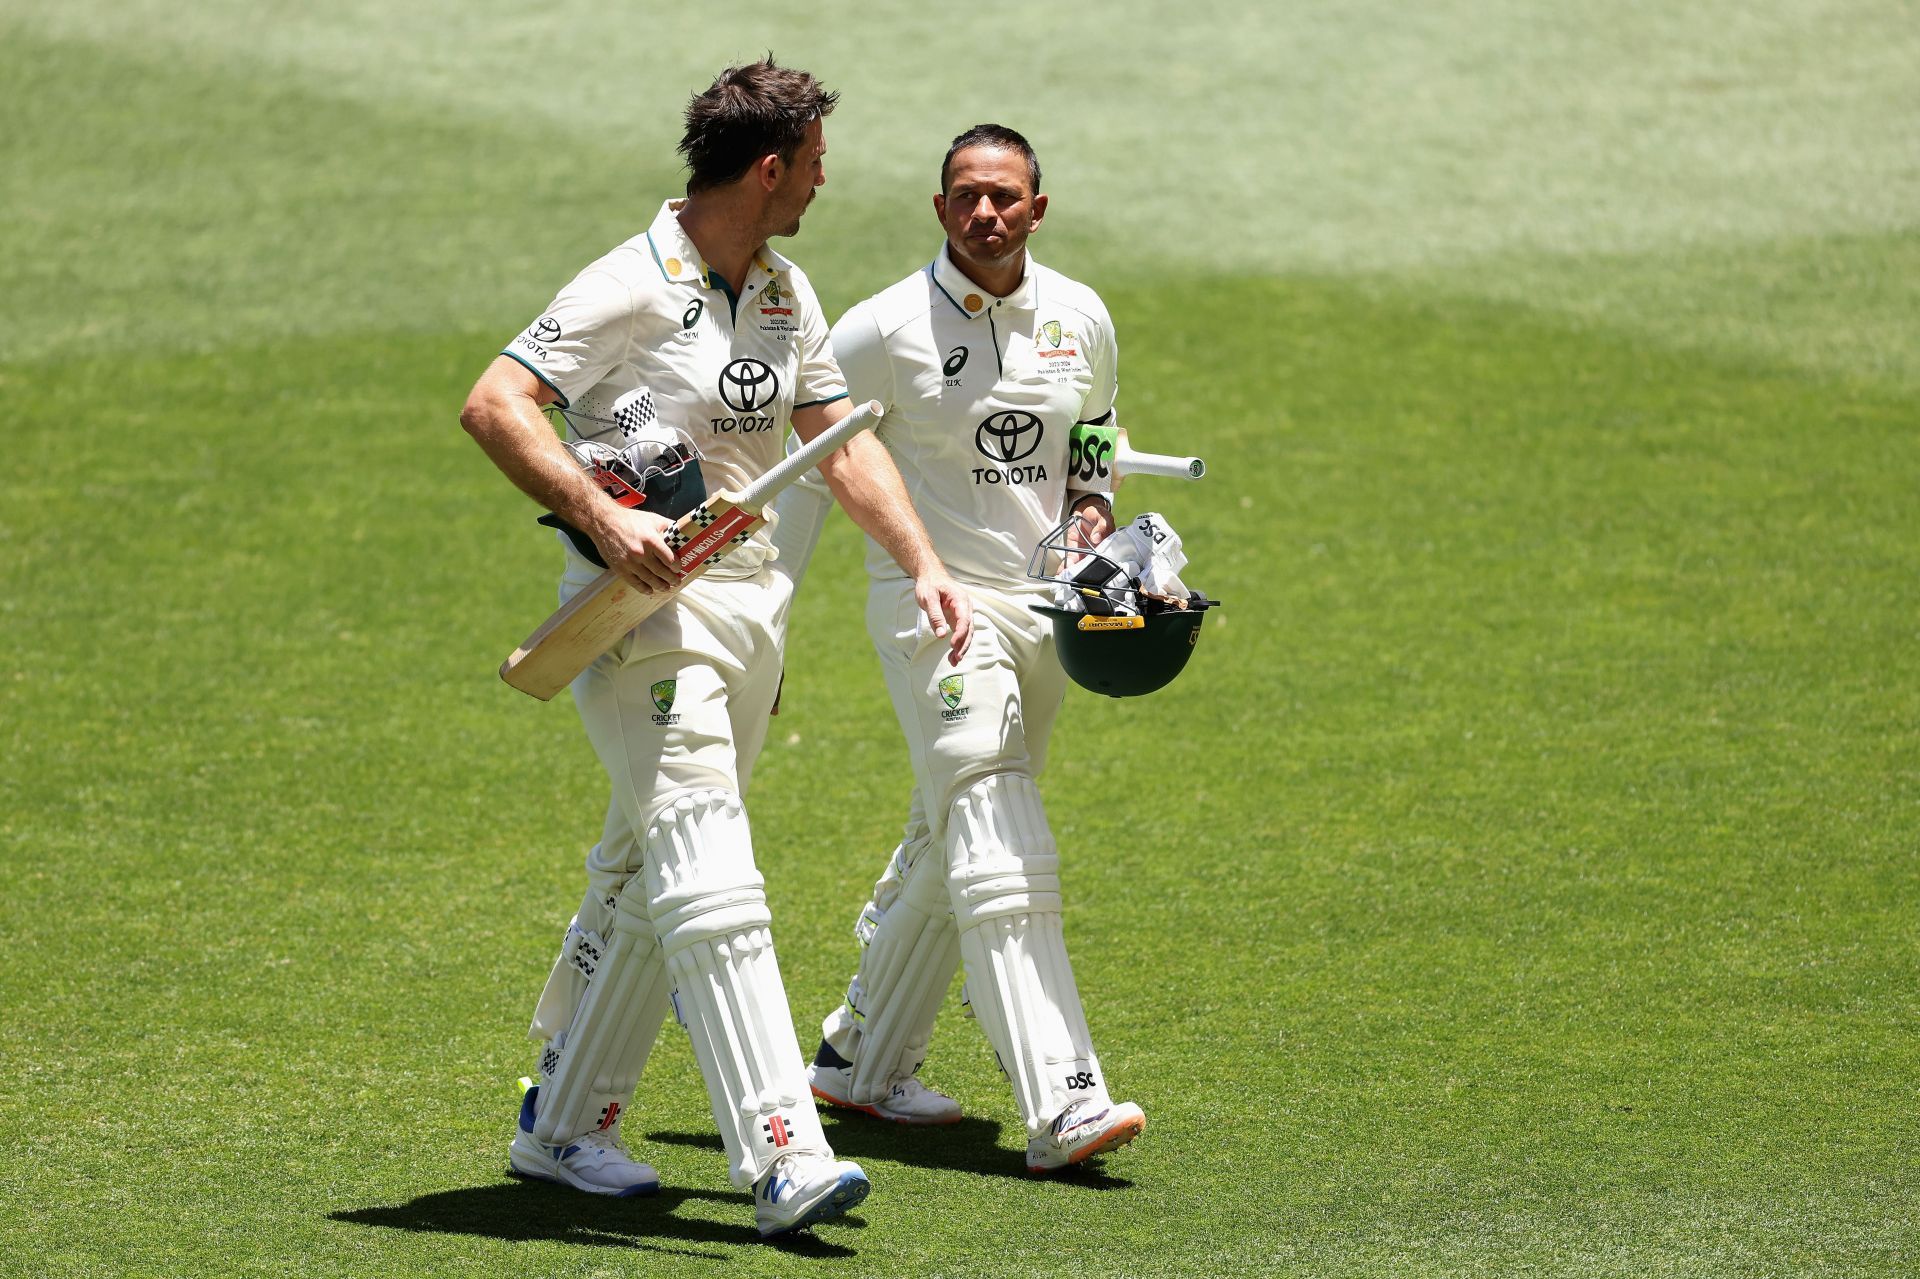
x,y
1089,456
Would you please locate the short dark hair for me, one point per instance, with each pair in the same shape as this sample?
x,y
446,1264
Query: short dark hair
x,y
747,112
991,135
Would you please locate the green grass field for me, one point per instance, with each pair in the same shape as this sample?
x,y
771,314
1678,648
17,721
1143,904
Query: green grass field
x,y
1522,881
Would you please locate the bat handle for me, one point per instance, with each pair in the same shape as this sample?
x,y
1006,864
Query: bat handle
x,y
809,455
1128,462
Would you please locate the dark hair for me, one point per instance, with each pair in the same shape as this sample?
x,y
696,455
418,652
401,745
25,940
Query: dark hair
x,y
749,111
991,135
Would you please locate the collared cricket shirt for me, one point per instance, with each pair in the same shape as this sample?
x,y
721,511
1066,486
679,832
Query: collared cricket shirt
x,y
980,394
729,372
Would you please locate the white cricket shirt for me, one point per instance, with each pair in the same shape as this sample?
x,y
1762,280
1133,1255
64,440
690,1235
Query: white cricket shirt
x,y
980,394
729,372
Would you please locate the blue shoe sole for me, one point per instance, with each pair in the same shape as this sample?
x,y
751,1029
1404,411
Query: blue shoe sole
x,y
848,1191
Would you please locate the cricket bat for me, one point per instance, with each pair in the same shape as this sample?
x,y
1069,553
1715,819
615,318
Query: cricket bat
x,y
608,607
1099,457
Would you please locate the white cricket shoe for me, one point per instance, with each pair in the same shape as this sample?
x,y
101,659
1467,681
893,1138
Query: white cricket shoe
x,y
801,1189
596,1162
908,1101
1084,1129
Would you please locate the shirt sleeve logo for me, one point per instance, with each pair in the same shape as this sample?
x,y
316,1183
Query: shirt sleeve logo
x,y
545,329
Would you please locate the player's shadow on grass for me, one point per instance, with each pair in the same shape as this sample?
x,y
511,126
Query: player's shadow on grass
x,y
972,1145
521,1211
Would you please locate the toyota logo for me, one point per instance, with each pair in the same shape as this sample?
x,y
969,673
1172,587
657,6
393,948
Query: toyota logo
x,y
748,385
547,329
1008,436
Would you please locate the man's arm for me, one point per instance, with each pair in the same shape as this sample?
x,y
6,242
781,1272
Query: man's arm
x,y
1093,512
867,485
503,416
1093,519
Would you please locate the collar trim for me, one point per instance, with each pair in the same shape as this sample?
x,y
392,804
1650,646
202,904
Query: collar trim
x,y
973,301
680,262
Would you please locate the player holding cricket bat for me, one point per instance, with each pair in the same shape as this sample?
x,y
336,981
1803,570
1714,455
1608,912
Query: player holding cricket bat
x,y
727,337
986,362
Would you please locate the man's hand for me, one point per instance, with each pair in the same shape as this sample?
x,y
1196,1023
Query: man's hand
x,y
948,609
1092,522
634,545
502,414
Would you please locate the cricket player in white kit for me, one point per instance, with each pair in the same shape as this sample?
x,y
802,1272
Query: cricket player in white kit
x,y
985,361
728,337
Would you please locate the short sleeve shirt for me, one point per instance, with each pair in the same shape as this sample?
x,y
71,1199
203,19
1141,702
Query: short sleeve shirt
x,y
728,371
980,395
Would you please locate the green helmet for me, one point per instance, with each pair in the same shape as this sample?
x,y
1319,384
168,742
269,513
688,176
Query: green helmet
x,y
1125,655
1121,640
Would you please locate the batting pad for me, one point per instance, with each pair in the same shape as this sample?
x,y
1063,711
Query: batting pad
x,y
1003,875
593,1061
710,913
581,951
910,951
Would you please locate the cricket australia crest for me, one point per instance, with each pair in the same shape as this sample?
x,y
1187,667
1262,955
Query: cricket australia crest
x,y
776,310
952,690
662,692
1058,350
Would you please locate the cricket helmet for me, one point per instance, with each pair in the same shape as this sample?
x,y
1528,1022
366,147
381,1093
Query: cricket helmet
x,y
1122,641
638,460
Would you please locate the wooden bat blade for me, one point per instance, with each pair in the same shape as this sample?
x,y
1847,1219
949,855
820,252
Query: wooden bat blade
x,y
586,626
594,620
608,607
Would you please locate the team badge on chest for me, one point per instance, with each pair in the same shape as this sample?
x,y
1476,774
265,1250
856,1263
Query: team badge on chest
x,y
1054,342
775,305
1056,352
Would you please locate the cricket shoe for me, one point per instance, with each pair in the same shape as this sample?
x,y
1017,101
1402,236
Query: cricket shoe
x,y
801,1189
908,1101
1084,1129
596,1162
